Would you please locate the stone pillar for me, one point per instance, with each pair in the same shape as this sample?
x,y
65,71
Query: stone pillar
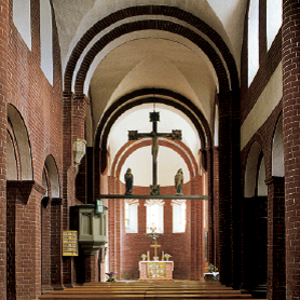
x,y
291,131
4,32
276,239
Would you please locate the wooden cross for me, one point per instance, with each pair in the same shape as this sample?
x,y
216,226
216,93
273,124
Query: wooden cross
x,y
134,135
155,248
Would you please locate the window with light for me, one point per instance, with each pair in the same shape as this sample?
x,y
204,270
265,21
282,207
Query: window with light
x,y
253,40
179,215
274,20
155,215
131,215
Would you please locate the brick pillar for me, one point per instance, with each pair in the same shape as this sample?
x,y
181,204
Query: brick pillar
x,y
46,245
90,174
4,31
56,244
291,131
225,201
91,268
216,204
24,207
79,106
63,274
276,239
196,239
210,201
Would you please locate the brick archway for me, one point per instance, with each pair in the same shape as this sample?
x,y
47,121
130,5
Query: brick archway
x,y
132,146
145,11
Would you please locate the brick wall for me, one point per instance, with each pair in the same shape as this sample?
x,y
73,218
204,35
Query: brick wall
x,y
268,63
4,33
187,248
291,131
40,105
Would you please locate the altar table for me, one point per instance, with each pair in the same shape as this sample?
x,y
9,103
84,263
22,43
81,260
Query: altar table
x,y
156,270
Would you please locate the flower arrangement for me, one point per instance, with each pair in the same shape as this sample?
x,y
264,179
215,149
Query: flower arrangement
x,y
167,256
153,235
110,277
143,256
211,268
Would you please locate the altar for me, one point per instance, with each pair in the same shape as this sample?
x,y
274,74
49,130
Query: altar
x,y
156,270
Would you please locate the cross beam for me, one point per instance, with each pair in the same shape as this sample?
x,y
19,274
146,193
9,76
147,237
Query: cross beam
x,y
134,135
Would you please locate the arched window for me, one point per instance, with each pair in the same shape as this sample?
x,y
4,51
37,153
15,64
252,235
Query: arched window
x,y
46,39
253,40
179,215
21,19
155,215
277,150
262,189
274,20
131,215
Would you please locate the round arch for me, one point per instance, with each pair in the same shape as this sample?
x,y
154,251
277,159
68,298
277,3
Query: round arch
x,y
251,169
53,177
132,146
182,103
157,24
277,150
21,137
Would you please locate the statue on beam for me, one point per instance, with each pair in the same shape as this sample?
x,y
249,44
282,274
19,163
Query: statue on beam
x,y
134,135
179,182
128,177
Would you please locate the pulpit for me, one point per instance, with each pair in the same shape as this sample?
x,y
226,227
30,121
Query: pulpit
x,y
156,270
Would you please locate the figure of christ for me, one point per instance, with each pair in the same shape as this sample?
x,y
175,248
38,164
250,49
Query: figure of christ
x,y
134,135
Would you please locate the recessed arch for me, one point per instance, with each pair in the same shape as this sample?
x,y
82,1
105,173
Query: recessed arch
x,y
132,146
22,141
53,176
156,24
277,150
251,171
12,158
124,102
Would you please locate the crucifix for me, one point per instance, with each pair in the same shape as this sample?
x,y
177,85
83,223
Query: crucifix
x,y
134,135
155,248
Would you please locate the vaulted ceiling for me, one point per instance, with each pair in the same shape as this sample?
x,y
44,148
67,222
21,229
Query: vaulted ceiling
x,y
135,49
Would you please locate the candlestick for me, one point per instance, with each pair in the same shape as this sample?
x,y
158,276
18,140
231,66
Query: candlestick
x,y
163,256
148,255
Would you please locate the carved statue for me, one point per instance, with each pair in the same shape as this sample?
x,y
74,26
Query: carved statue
x,y
128,182
179,182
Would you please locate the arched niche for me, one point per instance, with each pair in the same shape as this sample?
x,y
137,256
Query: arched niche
x,y
262,189
251,170
22,142
52,179
277,151
12,164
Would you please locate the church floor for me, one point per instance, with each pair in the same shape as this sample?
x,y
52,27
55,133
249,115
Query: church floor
x,y
149,290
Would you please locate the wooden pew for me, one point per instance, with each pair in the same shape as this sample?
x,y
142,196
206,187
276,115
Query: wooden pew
x,y
149,290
